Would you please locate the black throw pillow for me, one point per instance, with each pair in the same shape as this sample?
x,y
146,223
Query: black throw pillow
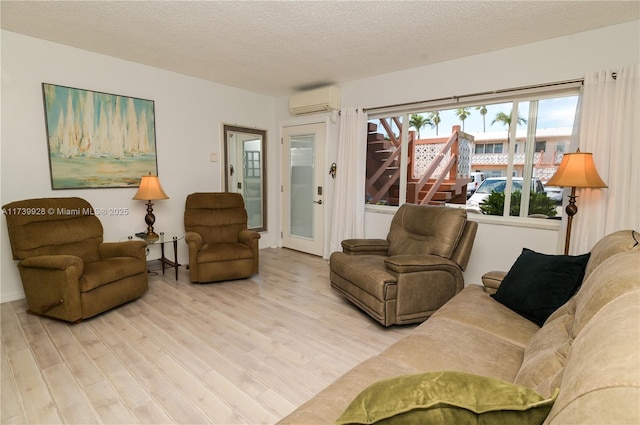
x,y
538,284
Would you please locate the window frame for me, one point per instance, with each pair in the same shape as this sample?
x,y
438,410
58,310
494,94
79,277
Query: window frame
x,y
515,96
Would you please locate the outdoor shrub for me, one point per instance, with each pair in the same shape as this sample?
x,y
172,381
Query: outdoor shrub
x,y
539,203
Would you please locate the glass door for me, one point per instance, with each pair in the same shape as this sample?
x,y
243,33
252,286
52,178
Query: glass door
x,y
303,188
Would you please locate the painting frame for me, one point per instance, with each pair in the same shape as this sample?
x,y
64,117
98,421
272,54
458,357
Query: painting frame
x,y
98,140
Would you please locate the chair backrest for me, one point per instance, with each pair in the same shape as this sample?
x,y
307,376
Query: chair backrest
x,y
417,229
216,216
53,226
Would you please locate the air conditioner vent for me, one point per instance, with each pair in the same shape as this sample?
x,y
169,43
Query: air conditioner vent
x,y
319,100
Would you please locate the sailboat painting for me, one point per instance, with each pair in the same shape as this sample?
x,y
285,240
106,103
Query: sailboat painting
x,y
98,140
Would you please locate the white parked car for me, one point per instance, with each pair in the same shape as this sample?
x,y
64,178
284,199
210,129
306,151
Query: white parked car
x,y
476,180
498,184
555,193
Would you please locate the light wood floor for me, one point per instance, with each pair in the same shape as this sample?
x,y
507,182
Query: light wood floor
x,y
241,352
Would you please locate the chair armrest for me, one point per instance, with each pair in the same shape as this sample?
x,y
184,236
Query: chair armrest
x,y
193,239
53,262
418,263
247,236
133,248
250,239
51,281
365,246
492,280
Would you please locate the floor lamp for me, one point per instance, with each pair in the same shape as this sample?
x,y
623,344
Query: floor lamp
x,y
575,170
150,190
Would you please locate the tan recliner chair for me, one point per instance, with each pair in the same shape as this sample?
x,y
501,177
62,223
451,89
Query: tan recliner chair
x,y
67,271
220,245
408,276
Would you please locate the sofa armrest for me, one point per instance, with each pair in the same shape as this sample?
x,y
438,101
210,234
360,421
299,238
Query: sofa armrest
x,y
133,248
418,263
492,280
365,246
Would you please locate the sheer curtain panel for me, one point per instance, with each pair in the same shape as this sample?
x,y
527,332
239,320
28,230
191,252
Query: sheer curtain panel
x,y
347,218
610,129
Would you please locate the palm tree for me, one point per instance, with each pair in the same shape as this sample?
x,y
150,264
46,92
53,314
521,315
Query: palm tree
x,y
418,121
505,119
435,119
463,114
483,112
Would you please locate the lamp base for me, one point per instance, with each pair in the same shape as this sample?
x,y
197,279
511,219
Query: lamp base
x,y
151,236
571,210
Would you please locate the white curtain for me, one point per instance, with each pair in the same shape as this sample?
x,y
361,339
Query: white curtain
x,y
347,218
609,127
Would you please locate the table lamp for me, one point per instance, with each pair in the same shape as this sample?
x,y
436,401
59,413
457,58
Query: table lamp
x,y
576,170
150,190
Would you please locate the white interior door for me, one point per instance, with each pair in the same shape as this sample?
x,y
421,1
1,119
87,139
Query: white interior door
x,y
302,189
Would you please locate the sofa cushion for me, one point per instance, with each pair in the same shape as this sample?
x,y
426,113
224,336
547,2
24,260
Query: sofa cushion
x,y
545,355
604,284
483,354
537,284
601,379
475,309
325,407
494,338
446,398
612,244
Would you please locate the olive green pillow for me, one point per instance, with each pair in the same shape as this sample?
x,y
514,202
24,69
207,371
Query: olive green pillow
x,y
447,398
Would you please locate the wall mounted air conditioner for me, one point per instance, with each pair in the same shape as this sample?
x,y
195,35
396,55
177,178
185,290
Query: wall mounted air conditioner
x,y
319,100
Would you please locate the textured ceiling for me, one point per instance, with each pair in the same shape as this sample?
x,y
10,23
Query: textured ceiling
x,y
278,47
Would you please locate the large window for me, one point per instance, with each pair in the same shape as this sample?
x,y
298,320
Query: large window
x,y
518,143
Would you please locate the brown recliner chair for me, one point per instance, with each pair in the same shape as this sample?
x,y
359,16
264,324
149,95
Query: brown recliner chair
x,y
220,245
67,271
408,276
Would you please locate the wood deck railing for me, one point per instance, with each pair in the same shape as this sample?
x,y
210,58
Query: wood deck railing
x,y
446,170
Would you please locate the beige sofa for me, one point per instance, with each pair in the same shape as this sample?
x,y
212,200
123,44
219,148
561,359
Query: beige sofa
x,y
589,347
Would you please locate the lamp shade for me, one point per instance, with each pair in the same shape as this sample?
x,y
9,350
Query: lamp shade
x,y
150,189
577,170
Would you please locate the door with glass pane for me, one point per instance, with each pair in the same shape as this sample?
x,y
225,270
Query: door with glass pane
x,y
302,189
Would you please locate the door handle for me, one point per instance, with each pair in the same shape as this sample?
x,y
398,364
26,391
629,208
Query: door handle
x,y
318,202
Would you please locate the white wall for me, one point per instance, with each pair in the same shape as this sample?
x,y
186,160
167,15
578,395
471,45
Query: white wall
x,y
189,113
560,59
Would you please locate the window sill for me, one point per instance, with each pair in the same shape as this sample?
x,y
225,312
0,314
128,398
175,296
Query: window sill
x,y
535,223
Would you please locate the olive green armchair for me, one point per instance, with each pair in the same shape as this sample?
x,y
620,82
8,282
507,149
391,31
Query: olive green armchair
x,y
409,275
67,271
221,247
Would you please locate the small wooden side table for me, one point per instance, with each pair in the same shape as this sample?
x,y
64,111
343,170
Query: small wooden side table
x,y
164,239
